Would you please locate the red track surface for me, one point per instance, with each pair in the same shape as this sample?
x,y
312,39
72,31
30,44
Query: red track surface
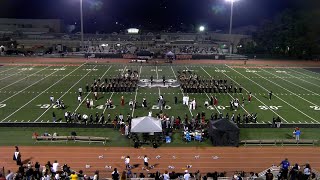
x,y
76,61
230,159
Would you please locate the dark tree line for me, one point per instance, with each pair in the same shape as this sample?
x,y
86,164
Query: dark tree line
x,y
292,33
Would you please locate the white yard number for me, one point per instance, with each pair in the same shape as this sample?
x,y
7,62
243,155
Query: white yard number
x,y
218,107
269,107
2,105
59,69
46,106
186,70
102,107
218,70
90,69
120,70
210,107
251,71
317,108
157,107
26,69
281,71
155,69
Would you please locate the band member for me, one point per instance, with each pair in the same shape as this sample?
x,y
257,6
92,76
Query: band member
x,y
249,97
95,95
122,101
215,101
270,95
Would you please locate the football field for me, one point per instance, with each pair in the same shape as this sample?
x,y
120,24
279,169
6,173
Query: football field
x,y
25,92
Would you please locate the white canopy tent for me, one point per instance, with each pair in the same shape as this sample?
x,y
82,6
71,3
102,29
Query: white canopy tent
x,y
146,124
170,53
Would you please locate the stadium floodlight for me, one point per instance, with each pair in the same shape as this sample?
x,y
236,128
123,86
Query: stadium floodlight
x,y
230,25
133,31
201,28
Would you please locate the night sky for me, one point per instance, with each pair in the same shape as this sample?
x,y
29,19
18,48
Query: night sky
x,y
113,15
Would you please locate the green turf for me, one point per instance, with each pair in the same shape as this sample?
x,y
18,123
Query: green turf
x,y
26,89
22,136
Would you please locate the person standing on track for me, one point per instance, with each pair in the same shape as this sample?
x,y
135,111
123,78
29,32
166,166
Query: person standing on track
x,y
17,156
127,162
146,163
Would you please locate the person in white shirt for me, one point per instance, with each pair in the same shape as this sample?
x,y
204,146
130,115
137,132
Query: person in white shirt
x,y
186,175
80,91
52,99
127,162
10,175
55,166
57,176
146,162
79,99
166,175
91,103
96,175
307,171
126,130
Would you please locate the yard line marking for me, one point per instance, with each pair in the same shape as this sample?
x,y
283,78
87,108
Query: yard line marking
x,y
255,96
14,121
90,91
9,69
233,98
287,90
65,93
290,83
305,74
302,80
206,92
24,78
26,88
158,79
135,96
180,89
13,74
274,95
293,122
41,93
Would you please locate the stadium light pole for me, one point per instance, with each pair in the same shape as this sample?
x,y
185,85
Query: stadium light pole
x,y
230,24
81,19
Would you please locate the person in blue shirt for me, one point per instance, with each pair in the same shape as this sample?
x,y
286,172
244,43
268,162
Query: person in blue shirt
x,y
285,164
297,134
